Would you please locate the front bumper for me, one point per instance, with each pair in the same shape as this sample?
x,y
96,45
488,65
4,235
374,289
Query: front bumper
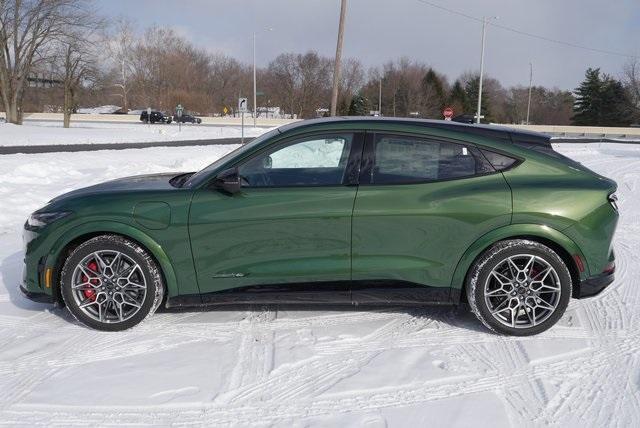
x,y
36,297
594,285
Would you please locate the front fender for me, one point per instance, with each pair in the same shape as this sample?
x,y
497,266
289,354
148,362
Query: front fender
x,y
509,232
100,227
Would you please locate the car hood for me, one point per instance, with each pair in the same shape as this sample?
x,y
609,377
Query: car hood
x,y
126,184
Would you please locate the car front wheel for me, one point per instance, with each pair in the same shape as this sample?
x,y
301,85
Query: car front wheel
x,y
519,287
111,283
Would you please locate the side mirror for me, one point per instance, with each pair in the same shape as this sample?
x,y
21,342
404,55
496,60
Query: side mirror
x,y
228,181
267,163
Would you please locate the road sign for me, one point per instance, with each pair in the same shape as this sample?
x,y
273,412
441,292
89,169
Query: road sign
x,y
242,105
448,113
225,110
179,110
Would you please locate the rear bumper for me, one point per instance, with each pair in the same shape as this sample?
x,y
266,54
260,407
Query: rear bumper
x,y
36,297
592,286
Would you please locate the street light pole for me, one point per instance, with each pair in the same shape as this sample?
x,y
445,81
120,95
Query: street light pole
x,y
255,108
530,83
484,33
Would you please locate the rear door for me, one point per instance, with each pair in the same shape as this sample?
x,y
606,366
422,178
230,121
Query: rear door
x,y
421,203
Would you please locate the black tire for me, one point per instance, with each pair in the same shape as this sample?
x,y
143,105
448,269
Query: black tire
x,y
494,257
148,268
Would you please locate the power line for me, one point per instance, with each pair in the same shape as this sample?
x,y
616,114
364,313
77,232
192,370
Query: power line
x,y
525,33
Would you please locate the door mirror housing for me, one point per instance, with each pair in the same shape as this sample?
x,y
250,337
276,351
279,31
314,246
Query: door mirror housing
x,y
228,181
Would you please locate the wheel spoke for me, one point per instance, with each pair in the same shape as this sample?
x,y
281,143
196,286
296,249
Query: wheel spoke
x,y
541,303
501,307
529,266
497,293
503,280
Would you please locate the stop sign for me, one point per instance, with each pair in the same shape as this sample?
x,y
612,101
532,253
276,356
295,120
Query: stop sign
x,y
448,113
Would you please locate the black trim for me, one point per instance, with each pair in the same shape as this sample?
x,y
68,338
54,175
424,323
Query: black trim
x,y
36,297
592,286
375,292
352,173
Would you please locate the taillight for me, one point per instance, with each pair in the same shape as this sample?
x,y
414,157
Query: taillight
x,y
609,268
613,200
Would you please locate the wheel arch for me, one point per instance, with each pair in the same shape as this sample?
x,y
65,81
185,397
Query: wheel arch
x,y
70,240
552,238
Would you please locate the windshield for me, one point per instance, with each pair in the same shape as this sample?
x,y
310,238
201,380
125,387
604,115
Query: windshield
x,y
201,175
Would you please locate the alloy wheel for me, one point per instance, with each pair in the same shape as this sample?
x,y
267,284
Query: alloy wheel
x,y
108,286
522,291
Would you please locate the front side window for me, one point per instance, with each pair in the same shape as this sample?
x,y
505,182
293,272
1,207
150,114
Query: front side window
x,y
311,161
403,159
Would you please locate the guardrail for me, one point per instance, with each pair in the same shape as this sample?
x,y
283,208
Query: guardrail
x,y
582,131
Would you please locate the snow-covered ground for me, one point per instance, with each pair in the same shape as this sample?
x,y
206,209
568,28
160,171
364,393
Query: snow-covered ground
x,y
303,367
34,133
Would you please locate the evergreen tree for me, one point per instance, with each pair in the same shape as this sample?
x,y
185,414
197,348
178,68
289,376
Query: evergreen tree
x,y
360,106
458,99
588,104
433,90
616,104
601,101
471,89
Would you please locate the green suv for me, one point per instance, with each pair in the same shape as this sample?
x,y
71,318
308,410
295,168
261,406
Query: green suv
x,y
362,211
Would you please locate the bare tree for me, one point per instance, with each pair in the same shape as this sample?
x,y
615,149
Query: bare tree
x,y
75,64
27,29
121,48
631,81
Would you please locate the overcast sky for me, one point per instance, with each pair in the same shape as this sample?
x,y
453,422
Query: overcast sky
x,y
379,30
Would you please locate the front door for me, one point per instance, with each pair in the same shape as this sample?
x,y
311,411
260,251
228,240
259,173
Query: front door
x,y
290,224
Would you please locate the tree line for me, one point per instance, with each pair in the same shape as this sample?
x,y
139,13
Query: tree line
x,y
91,62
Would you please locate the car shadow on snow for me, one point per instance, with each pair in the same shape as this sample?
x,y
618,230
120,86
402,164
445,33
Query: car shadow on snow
x,y
458,316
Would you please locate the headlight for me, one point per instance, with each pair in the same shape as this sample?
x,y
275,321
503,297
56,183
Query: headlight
x,y
38,220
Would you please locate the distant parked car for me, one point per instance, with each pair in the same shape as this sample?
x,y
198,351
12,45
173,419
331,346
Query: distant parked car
x,y
187,118
156,117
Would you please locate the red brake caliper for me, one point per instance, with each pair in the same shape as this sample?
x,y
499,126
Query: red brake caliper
x,y
90,294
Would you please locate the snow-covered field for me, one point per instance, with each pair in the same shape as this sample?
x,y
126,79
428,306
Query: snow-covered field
x,y
303,367
46,133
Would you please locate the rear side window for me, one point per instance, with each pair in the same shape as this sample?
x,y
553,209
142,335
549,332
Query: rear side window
x,y
499,161
404,159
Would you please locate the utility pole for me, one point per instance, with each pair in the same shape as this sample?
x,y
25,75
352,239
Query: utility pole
x,y
255,107
380,97
484,33
337,64
530,83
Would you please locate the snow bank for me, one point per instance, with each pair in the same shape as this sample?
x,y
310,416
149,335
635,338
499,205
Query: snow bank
x,y
48,133
110,109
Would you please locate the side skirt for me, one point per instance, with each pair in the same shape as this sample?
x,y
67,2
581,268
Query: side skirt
x,y
365,293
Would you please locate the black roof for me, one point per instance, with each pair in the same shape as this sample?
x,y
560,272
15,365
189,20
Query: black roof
x,y
488,131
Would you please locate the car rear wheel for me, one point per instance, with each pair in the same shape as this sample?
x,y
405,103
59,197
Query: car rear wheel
x,y
111,283
519,287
